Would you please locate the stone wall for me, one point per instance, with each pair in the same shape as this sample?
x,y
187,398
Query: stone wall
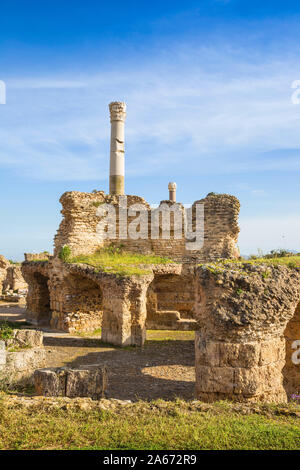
x,y
78,228
14,279
4,265
86,381
11,278
170,301
242,311
17,367
291,371
37,275
73,298
44,256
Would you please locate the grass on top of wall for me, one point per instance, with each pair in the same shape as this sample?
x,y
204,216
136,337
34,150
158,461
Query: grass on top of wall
x,y
222,265
117,261
290,261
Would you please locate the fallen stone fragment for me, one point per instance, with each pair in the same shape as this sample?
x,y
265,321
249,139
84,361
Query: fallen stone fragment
x,y
71,382
30,338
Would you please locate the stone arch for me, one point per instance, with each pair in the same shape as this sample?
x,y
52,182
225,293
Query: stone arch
x,y
77,304
291,370
38,299
170,303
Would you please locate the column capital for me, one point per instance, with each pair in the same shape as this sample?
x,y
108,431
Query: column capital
x,y
172,186
117,111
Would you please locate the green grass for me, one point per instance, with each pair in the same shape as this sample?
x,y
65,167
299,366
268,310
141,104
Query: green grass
x,y
6,330
169,335
39,260
89,334
119,262
219,265
290,261
7,327
152,426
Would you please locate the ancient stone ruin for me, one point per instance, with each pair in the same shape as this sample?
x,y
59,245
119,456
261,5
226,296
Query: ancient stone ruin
x,y
247,317
20,356
12,284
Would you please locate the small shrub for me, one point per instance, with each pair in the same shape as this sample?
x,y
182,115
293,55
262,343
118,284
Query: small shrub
x,y
6,331
65,253
97,203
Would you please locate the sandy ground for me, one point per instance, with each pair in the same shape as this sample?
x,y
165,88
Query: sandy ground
x,y
164,368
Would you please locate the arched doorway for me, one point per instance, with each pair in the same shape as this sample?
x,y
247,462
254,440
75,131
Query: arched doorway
x,y
170,303
38,300
78,304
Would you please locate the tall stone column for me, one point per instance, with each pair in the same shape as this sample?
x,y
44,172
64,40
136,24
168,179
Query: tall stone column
x,y
116,175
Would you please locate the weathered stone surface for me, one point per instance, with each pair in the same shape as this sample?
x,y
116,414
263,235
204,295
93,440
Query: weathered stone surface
x,y
4,265
77,298
78,228
242,311
20,365
291,370
50,382
11,279
86,383
71,383
28,359
29,338
2,354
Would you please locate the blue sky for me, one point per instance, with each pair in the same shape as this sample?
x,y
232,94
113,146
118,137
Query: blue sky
x,y
208,92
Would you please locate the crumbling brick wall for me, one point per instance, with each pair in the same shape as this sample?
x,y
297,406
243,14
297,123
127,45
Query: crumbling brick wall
x,y
4,265
11,276
291,371
14,279
78,228
37,276
74,297
171,299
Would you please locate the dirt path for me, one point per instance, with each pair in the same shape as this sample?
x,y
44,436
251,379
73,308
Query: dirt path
x,y
12,312
164,368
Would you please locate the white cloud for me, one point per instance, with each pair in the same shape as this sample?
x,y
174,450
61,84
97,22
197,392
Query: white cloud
x,y
200,109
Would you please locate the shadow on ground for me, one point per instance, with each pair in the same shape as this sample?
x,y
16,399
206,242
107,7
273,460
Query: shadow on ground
x,y
162,369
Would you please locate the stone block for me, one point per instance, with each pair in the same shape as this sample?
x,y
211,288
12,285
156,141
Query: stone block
x,y
2,354
207,352
239,354
50,383
26,360
272,351
30,338
88,382
221,354
258,380
215,379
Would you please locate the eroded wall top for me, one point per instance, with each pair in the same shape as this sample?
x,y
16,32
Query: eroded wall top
x,y
79,227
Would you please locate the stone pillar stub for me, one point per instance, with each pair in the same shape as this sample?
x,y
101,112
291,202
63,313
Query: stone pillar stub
x,y
172,191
